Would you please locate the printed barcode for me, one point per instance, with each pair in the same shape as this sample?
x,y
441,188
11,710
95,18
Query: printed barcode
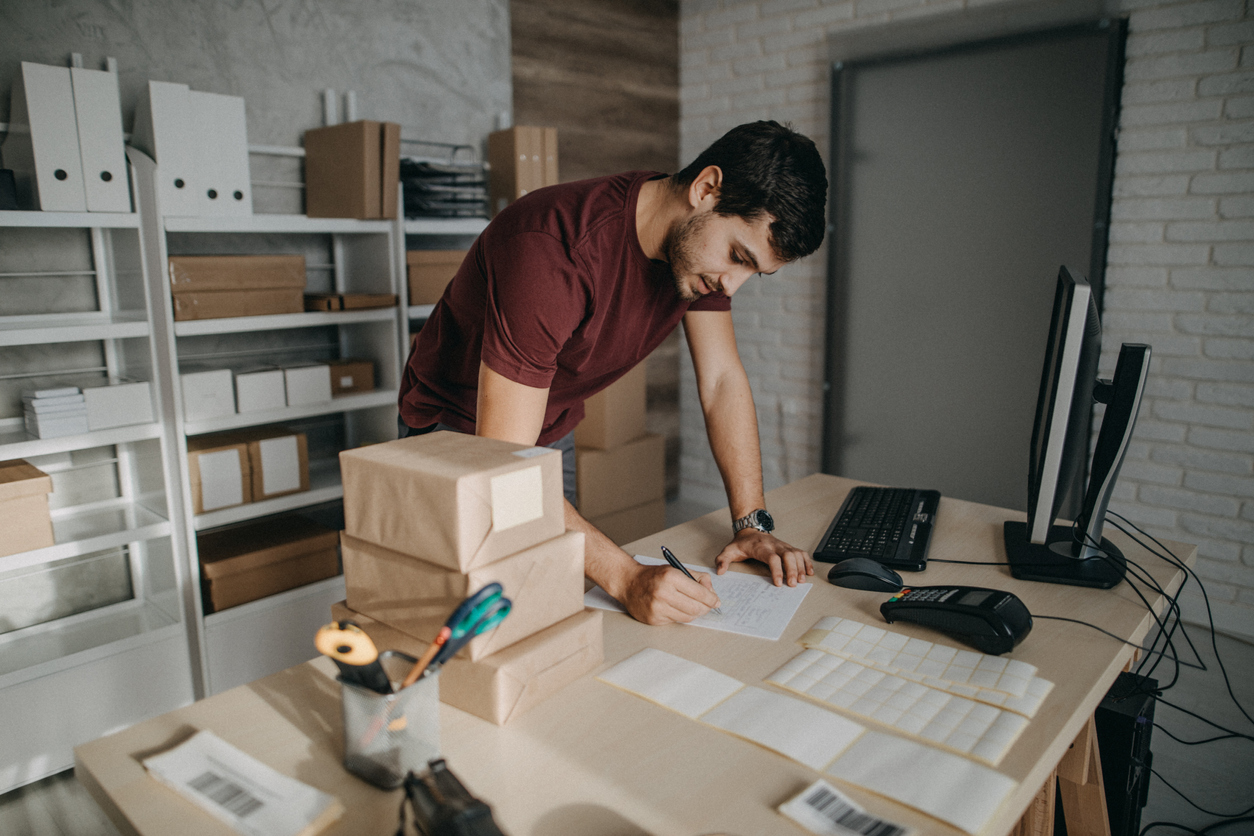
x,y
841,814
230,796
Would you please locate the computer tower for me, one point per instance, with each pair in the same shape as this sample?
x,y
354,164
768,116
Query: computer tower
x,y
1125,719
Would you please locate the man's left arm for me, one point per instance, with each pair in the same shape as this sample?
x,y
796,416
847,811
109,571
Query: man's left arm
x,y
732,425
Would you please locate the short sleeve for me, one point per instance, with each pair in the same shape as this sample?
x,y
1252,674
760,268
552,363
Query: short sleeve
x,y
535,301
712,302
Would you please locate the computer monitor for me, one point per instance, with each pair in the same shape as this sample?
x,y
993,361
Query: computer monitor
x,y
1041,549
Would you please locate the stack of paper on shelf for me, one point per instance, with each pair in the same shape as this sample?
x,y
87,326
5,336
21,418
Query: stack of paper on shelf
x,y
51,413
431,519
24,491
621,468
444,190
217,286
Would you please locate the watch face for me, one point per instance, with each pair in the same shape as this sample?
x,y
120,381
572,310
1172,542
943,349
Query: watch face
x,y
765,520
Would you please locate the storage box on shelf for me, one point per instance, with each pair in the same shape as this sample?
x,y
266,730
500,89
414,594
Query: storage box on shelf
x,y
102,599
280,371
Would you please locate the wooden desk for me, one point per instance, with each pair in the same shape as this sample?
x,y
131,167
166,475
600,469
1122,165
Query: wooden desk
x,y
595,760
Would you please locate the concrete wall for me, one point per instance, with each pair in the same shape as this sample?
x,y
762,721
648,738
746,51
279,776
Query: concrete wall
x,y
1180,270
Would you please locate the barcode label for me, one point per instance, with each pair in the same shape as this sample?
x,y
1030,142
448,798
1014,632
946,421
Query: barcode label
x,y
822,810
226,794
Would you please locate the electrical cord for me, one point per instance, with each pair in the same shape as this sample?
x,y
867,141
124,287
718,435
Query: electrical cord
x,y
1113,636
1244,812
1183,742
1205,831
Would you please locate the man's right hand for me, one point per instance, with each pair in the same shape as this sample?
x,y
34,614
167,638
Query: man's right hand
x,y
662,595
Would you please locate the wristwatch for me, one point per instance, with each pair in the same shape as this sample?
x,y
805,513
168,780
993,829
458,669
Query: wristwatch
x,y
758,519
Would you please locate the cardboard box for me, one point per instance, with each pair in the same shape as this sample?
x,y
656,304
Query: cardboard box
x,y
429,272
544,584
614,480
198,273
616,414
207,394
307,383
352,170
118,403
507,684
633,523
348,301
349,377
247,562
522,159
24,491
279,461
260,389
220,304
219,472
456,500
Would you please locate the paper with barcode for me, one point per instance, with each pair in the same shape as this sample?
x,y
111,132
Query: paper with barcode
x,y
822,809
241,791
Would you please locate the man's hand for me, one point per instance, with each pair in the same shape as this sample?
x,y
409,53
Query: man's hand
x,y
786,563
662,595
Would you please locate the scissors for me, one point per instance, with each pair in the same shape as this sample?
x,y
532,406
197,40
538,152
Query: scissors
x,y
477,614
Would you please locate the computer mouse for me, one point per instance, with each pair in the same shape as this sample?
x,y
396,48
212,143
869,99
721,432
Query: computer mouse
x,y
865,573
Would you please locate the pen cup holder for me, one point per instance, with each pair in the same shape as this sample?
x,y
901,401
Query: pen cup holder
x,y
388,735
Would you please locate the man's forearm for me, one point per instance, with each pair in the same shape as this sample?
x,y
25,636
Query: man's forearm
x,y
605,564
732,425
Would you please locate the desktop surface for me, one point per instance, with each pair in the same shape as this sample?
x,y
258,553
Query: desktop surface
x,y
594,759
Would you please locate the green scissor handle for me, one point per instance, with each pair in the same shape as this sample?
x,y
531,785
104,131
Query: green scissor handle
x,y
481,619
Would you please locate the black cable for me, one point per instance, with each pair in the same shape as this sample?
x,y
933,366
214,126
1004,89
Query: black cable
x,y
1112,635
1205,831
1184,742
1245,812
1211,723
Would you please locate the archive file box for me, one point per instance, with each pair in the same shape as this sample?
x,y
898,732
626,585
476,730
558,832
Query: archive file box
x,y
246,562
544,583
200,144
522,159
452,499
509,683
64,142
24,491
352,170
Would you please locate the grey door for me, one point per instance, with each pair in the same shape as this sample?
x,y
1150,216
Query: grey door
x,y
964,178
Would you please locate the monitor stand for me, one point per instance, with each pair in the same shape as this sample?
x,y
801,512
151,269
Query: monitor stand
x,y
1052,561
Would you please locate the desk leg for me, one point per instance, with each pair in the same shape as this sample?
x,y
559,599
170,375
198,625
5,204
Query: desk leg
x,y
1083,796
1038,819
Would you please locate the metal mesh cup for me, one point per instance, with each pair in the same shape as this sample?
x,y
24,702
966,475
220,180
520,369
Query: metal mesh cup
x,y
387,735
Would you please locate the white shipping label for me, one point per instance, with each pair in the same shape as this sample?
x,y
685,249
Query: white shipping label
x,y
280,465
221,480
346,381
517,498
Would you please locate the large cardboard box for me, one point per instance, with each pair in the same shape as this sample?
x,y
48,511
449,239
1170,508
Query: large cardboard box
x,y
117,403
220,304
521,159
207,394
507,684
219,471
616,414
199,273
429,272
544,584
349,377
457,500
613,480
247,562
352,170
633,523
24,521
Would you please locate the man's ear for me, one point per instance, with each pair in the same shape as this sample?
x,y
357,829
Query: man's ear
x,y
704,190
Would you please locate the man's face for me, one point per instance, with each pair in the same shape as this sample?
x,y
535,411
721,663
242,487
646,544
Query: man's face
x,y
710,253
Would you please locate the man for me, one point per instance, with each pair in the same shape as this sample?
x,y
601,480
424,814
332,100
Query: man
x,y
571,286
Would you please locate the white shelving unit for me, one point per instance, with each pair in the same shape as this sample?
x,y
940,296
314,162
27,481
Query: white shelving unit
x,y
95,631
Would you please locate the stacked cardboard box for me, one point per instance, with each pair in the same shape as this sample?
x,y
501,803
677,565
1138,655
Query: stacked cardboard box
x,y
24,491
521,159
621,468
217,286
429,272
430,520
250,561
229,469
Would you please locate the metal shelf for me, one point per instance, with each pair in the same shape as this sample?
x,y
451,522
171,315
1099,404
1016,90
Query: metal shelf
x,y
92,530
18,444
275,322
81,220
324,486
344,403
445,226
275,223
72,327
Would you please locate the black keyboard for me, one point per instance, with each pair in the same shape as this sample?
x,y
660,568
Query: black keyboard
x,y
891,525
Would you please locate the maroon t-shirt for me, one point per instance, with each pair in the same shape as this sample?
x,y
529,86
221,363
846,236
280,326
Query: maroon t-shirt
x,y
555,293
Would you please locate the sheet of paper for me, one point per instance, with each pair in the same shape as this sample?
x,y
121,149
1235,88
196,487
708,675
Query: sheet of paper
x,y
751,604
241,791
949,787
798,730
675,683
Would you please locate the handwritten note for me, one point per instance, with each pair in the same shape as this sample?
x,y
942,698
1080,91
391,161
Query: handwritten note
x,y
751,604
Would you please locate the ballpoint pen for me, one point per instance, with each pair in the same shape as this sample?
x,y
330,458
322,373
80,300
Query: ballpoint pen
x,y
674,561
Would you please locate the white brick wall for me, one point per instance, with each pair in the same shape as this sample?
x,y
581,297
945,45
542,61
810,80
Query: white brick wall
x,y
1180,274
